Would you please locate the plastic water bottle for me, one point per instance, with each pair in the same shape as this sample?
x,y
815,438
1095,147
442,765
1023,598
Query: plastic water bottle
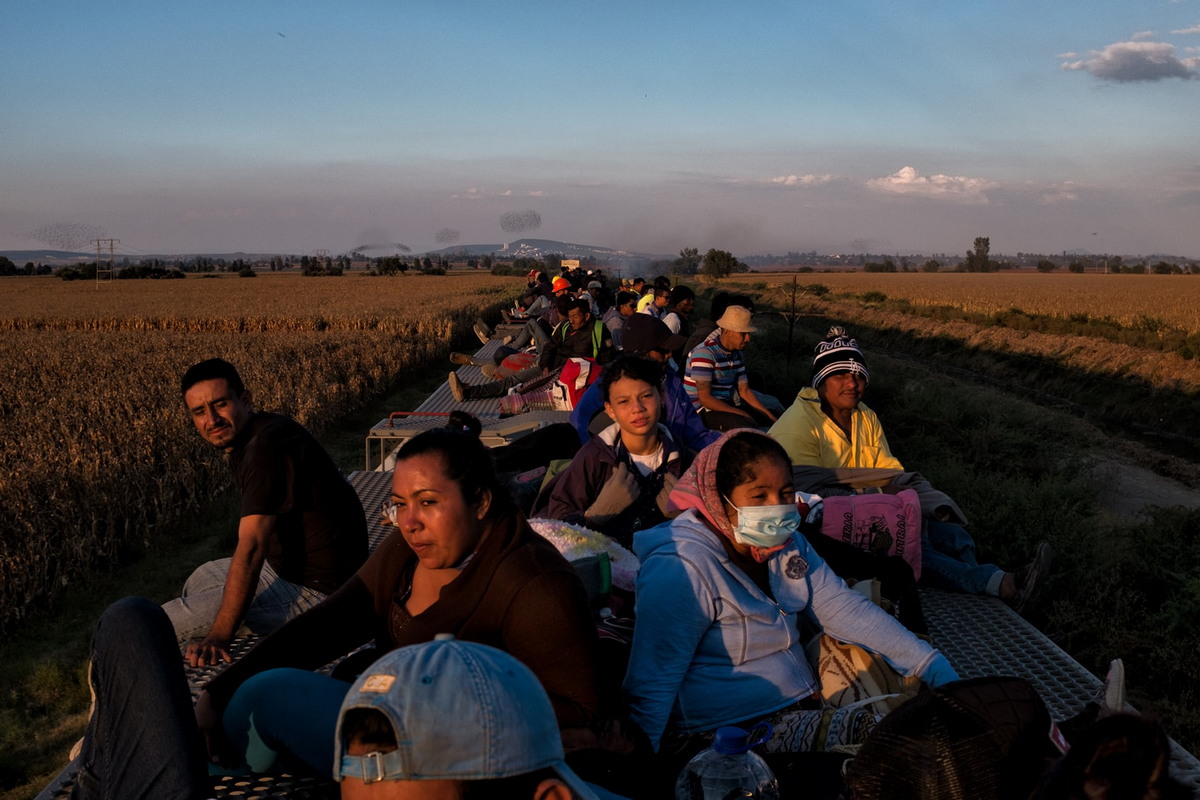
x,y
729,770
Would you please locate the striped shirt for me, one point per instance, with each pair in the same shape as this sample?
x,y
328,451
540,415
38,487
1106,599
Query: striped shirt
x,y
711,363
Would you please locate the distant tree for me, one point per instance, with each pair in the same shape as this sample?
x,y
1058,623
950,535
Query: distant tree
x,y
553,262
718,264
875,266
487,263
1137,269
932,265
1075,266
1045,265
977,259
688,262
7,267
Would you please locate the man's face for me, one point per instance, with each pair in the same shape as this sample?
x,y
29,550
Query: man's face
x,y
734,340
627,309
661,298
218,413
576,318
685,307
842,391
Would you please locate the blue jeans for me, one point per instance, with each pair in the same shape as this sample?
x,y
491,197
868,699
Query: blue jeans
x,y
275,601
142,740
288,714
948,560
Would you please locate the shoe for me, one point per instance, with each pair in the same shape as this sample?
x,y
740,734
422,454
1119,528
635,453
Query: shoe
x,y
1030,578
462,359
1111,697
456,387
506,340
482,331
488,370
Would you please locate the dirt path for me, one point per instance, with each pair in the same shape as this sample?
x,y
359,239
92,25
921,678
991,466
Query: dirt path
x,y
1132,477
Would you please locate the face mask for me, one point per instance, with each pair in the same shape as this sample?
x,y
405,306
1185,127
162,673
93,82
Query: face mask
x,y
766,526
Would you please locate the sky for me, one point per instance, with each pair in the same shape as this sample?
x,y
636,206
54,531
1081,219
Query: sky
x,y
841,126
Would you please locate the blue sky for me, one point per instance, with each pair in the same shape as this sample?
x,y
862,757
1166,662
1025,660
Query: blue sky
x,y
651,126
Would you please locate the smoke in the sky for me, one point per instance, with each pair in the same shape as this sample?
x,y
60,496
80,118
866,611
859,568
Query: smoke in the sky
x,y
403,248
447,236
68,235
520,221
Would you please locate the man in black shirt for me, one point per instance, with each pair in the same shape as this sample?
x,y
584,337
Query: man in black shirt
x,y
302,531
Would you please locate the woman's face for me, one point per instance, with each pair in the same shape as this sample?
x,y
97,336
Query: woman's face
x,y
634,405
439,524
770,486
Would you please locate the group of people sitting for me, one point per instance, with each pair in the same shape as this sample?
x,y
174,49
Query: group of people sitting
x,y
739,614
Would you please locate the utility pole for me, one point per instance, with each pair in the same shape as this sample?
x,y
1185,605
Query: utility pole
x,y
105,274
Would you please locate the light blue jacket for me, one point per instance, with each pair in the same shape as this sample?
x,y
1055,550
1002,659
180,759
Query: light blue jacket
x,y
711,649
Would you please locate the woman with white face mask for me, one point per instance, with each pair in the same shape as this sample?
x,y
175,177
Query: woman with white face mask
x,y
719,594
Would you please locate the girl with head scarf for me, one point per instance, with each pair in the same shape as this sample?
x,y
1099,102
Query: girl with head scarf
x,y
719,595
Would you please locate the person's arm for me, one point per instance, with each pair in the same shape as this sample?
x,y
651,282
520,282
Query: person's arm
x,y
710,401
850,617
549,629
254,539
673,611
752,399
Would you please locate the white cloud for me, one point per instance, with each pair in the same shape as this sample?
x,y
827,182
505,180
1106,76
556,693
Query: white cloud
x,y
945,187
1061,192
802,180
537,193
1131,62
1186,31
1142,35
506,193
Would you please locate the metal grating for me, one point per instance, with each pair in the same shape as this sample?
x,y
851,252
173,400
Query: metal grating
x,y
982,636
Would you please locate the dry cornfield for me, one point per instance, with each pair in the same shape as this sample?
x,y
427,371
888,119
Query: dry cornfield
x,y
1126,299
97,453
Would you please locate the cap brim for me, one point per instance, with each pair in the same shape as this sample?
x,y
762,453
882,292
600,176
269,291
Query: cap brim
x,y
671,343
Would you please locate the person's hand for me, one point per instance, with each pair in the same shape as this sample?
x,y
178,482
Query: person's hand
x,y
617,494
207,652
208,720
669,482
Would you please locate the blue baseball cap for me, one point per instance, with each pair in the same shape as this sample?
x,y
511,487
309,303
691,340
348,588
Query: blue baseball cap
x,y
460,711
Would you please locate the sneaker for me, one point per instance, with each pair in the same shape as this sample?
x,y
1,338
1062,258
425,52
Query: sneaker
x,y
456,387
1032,576
488,370
1111,697
506,340
462,359
482,331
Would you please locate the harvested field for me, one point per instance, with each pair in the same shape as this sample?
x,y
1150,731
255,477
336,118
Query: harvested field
x,y
99,456
1128,300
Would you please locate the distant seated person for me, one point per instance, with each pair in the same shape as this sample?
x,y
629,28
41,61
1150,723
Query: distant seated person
x,y
580,336
655,303
620,480
451,720
649,338
615,318
835,441
680,304
716,378
508,359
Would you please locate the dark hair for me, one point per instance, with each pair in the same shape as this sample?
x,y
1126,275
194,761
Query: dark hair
x,y
212,369
679,294
738,455
625,298
464,421
639,369
662,282
368,726
581,305
465,460
723,300
638,279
